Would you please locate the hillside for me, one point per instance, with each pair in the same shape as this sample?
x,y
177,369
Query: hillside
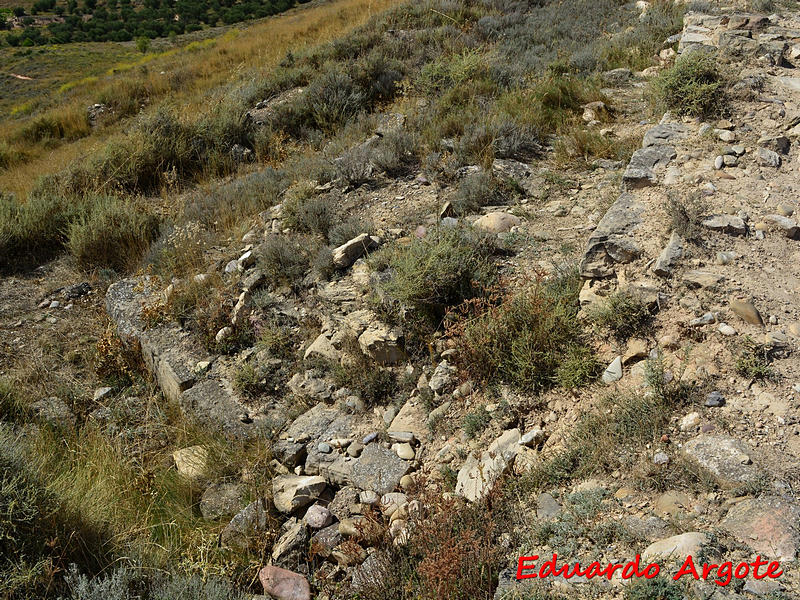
x,y
368,300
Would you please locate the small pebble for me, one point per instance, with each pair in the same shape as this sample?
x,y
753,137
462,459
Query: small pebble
x,y
715,399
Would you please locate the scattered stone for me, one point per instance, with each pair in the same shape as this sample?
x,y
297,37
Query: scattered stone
x,y
669,256
776,143
677,547
746,311
535,437
769,525
613,372
726,330
283,584
660,458
715,399
690,422
726,458
382,344
641,170
726,224
322,347
617,77
477,476
610,242
702,279
290,492
547,507
787,226
706,319
768,158
318,516
665,133
221,500
245,527
191,462
102,393
346,254
497,222
405,451
378,469
442,377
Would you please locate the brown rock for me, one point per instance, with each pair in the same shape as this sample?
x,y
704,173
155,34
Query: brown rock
x,y
283,584
747,312
767,525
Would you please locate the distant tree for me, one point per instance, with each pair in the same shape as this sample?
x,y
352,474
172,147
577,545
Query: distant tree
x,y
89,5
71,6
18,11
59,10
142,44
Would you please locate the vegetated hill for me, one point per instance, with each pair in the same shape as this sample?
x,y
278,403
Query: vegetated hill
x,y
54,22
367,301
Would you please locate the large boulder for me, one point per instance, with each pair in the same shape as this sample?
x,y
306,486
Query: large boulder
x,y
246,526
769,525
497,222
382,344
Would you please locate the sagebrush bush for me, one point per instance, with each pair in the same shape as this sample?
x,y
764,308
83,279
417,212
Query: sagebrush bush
x,y
332,99
348,229
530,339
430,275
475,191
694,86
306,212
622,315
286,259
396,152
32,231
112,233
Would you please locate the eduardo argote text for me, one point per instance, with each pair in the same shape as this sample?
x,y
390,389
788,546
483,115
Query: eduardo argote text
x,y
530,567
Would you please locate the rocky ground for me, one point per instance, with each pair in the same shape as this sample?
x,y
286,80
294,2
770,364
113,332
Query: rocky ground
x,y
722,274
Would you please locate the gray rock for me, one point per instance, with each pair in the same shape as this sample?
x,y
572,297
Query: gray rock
x,y
610,237
665,133
788,227
246,526
221,500
383,344
669,256
518,173
641,170
442,377
326,539
613,372
378,469
290,548
54,412
726,224
317,517
547,507
724,457
776,143
715,399
768,158
290,492
677,547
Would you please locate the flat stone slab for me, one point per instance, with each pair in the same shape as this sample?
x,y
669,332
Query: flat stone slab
x,y
665,133
641,170
677,547
379,469
610,242
769,525
728,459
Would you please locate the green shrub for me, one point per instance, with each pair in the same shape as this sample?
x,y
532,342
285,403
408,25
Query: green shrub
x,y
285,259
396,152
33,231
475,191
332,99
428,276
693,86
531,339
346,230
475,422
111,234
660,588
307,213
753,360
622,315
